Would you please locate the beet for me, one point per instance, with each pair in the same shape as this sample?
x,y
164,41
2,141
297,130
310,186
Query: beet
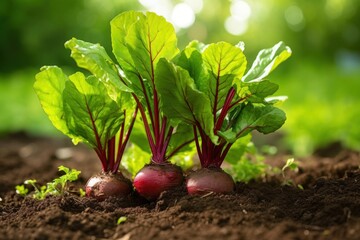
x,y
104,185
208,180
153,179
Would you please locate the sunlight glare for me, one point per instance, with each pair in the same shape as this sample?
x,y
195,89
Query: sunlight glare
x,y
160,7
240,10
196,5
294,17
183,15
235,27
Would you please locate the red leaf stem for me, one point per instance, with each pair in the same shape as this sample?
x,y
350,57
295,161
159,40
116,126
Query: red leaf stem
x,y
147,100
224,109
146,124
100,150
110,154
123,141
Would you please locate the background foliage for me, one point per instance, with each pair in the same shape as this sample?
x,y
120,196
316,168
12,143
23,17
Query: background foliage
x,y
322,78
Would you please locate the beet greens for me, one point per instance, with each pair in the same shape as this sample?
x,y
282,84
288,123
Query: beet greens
x,y
206,87
200,94
85,109
139,42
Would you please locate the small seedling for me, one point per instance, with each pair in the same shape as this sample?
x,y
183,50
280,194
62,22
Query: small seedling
x,y
82,193
121,220
291,165
57,186
21,190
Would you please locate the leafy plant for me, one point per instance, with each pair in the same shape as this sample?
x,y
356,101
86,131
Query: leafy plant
x,y
290,165
207,88
139,42
57,186
87,110
250,166
21,190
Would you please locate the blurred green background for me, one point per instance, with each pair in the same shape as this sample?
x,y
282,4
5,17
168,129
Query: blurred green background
x,y
321,79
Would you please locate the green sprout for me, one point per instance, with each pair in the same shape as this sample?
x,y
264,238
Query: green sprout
x,y
121,220
55,187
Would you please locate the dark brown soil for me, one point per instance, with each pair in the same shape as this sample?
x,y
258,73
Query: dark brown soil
x,y
327,208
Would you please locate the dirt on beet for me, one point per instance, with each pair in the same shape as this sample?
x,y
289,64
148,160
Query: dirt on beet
x,y
322,201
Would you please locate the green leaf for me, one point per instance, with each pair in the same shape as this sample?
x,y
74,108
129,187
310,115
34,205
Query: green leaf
x,y
228,135
266,61
148,40
290,164
191,60
260,90
183,134
70,174
120,26
180,100
21,190
238,149
265,119
49,85
226,64
276,99
94,58
91,115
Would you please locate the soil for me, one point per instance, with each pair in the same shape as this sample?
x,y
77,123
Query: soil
x,y
323,201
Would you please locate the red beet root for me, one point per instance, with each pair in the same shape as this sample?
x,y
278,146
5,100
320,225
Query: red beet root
x,y
208,180
104,185
153,179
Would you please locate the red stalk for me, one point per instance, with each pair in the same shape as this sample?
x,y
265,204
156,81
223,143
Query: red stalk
x,y
146,124
111,154
225,109
156,122
123,141
100,150
166,144
147,100
224,153
162,132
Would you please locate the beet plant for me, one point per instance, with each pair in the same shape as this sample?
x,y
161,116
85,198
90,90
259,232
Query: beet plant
x,y
206,87
96,110
139,42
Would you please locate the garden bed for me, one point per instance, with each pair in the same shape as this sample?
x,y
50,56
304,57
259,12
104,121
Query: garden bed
x,y
327,208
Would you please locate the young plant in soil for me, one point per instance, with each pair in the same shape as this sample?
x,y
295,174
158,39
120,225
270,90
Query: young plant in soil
x,y
95,110
139,42
207,88
56,187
